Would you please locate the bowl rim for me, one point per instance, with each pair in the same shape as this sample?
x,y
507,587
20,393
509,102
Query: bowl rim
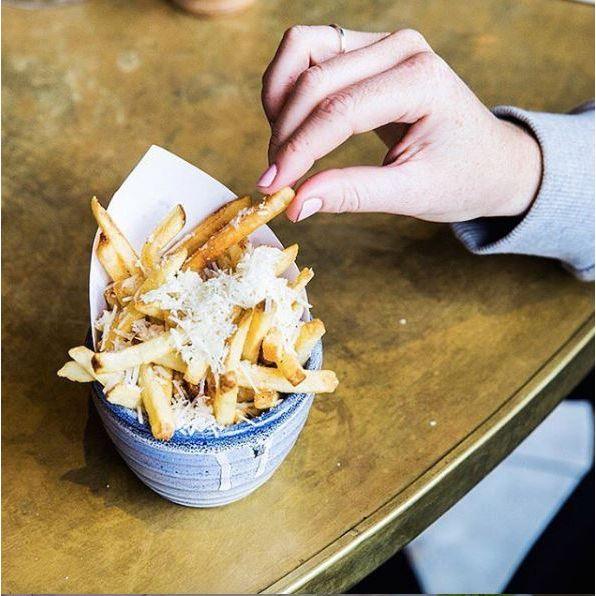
x,y
263,424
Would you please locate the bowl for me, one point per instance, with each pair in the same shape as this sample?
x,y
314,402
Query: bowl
x,y
208,469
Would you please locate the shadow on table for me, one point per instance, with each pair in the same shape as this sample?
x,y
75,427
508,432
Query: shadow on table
x,y
100,454
106,474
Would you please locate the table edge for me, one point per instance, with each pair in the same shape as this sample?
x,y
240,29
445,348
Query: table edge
x,y
341,564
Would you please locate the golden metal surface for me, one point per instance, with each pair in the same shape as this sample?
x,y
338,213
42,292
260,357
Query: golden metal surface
x,y
489,346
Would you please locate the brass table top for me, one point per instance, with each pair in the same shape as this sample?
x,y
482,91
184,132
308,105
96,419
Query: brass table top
x,y
488,348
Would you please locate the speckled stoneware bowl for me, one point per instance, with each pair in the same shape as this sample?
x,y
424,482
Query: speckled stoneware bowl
x,y
207,469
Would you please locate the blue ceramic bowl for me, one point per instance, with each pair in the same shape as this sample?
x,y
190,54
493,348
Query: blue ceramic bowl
x,y
209,469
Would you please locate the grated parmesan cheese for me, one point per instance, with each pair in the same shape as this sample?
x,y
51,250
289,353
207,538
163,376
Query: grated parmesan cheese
x,y
239,216
203,309
191,415
131,375
103,324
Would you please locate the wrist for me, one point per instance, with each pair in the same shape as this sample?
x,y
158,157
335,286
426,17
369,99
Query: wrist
x,y
521,170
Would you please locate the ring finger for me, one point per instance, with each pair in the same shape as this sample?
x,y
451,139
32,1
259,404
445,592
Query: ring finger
x,y
302,47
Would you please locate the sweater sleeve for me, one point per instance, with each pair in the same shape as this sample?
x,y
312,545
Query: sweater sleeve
x,y
560,222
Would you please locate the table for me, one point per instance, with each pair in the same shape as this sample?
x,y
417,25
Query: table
x,y
425,409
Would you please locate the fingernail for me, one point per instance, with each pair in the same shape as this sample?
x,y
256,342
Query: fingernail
x,y
309,207
268,176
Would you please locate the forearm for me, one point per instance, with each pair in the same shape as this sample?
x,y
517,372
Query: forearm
x,y
560,222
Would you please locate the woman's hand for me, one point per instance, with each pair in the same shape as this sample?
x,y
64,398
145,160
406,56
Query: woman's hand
x,y
449,158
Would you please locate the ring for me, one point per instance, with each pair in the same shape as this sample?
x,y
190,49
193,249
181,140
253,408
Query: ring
x,y
342,37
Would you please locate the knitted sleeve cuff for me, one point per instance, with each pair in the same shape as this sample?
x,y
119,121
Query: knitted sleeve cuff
x,y
560,222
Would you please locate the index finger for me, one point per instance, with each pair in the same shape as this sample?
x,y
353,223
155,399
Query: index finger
x,y
301,47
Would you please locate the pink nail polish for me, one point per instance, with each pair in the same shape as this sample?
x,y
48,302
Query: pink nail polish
x,y
309,207
268,176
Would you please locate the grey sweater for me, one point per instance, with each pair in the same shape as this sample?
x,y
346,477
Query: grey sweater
x,y
560,222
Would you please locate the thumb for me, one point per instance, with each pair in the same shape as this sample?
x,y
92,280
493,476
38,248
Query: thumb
x,y
357,189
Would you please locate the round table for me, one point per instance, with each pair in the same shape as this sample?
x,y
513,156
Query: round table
x,y
425,409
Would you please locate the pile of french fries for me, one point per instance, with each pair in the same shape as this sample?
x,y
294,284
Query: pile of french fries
x,y
137,361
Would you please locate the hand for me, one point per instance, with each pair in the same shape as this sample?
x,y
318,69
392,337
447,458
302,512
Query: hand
x,y
449,158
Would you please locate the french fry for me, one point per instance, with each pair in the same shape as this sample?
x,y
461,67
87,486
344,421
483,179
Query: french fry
x,y
239,228
224,402
125,289
224,261
265,399
156,393
104,362
302,279
211,384
238,340
125,320
217,220
226,394
288,256
163,234
83,356
310,333
236,252
108,257
110,296
120,244
286,360
155,279
173,360
125,394
73,371
262,377
160,274
195,371
107,334
151,310
259,326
